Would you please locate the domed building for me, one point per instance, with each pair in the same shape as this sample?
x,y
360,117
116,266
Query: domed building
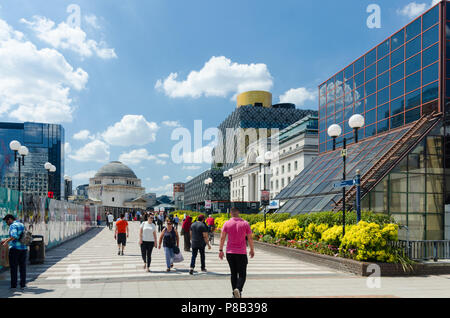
x,y
117,188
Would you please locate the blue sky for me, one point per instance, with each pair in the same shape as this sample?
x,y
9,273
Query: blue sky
x,y
99,78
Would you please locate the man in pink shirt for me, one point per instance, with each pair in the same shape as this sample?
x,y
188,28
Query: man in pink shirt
x,y
237,230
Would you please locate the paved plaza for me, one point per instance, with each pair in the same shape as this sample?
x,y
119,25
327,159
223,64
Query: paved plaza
x,y
103,273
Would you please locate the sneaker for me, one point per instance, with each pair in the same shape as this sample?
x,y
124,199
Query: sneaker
x,y
122,253
191,272
168,270
171,265
204,270
236,293
118,253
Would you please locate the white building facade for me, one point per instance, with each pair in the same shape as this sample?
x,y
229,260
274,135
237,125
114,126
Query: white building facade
x,y
297,146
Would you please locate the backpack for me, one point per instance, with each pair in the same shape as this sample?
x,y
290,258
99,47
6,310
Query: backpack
x,y
26,237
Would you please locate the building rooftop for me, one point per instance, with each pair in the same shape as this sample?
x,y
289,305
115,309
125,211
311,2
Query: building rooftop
x,y
115,169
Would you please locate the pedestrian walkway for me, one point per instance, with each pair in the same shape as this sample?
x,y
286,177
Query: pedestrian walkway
x,y
97,260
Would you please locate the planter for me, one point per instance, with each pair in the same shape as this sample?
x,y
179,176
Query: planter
x,y
352,266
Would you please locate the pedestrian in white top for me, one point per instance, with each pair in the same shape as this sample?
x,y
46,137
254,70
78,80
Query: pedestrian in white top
x,y
110,221
147,239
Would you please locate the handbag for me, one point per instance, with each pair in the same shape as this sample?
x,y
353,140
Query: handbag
x,y
176,250
178,258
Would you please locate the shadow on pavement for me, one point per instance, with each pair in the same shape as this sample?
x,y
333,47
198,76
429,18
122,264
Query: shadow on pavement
x,y
56,253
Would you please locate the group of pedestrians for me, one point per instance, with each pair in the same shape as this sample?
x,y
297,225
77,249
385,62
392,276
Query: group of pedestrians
x,y
236,230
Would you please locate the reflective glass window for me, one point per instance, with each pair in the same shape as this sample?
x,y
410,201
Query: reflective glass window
x,y
383,126
397,89
359,93
413,47
339,117
383,112
371,87
430,18
383,65
371,72
447,68
359,65
397,73
448,27
339,104
397,121
412,115
412,65
412,82
369,131
359,79
383,81
330,108
348,112
430,92
430,55
322,125
371,102
397,106
430,74
398,56
348,99
340,77
383,49
339,89
413,29
359,107
371,117
349,72
383,96
349,86
447,92
413,99
431,36
371,57
397,39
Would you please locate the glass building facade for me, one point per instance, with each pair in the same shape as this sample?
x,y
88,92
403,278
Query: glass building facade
x,y
45,143
399,85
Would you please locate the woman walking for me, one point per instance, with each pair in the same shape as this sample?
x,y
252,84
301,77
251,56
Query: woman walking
x,y
147,239
186,228
171,240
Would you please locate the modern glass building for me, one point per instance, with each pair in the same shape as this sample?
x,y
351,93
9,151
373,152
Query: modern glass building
x,y
400,87
45,143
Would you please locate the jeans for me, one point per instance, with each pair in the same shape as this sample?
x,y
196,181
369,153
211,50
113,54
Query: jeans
x,y
169,256
194,256
18,258
238,268
187,241
146,251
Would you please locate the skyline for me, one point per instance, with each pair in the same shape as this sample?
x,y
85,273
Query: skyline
x,y
107,93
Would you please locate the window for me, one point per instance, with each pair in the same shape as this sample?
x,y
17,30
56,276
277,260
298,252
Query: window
x,y
371,57
383,65
397,89
371,72
289,180
370,117
277,184
413,29
370,130
371,87
413,99
289,167
349,72
398,56
371,102
431,36
295,165
397,73
398,106
383,80
112,199
398,39
413,64
397,121
282,182
383,96
430,92
359,65
359,79
383,112
413,47
412,82
383,49
430,18
382,126
282,169
412,115
430,74
430,55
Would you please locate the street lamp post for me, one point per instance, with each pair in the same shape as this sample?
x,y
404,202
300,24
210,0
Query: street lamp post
x,y
355,122
264,160
229,174
50,169
208,183
23,152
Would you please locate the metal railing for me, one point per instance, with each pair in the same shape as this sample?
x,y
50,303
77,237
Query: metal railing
x,y
424,250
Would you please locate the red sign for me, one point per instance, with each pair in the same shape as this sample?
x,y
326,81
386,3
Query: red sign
x,y
50,194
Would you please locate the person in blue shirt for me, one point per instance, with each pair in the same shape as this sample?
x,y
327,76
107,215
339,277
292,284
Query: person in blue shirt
x,y
17,251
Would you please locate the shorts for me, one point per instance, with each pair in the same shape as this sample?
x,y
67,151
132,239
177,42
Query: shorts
x,y
122,239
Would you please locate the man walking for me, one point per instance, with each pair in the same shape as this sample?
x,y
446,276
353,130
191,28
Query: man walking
x,y
199,235
17,251
110,220
121,233
237,231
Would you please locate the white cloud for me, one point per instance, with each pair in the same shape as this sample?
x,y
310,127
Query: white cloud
x,y
218,77
67,148
414,9
169,123
35,84
136,156
83,135
298,96
189,178
92,20
70,38
161,190
131,130
84,175
166,178
163,155
96,150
